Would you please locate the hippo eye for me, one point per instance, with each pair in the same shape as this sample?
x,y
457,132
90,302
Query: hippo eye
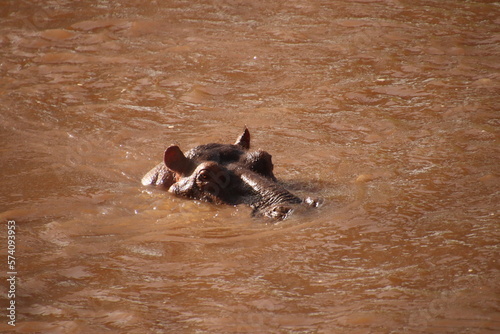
x,y
204,175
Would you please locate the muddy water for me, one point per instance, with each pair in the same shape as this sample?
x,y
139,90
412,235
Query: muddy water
x,y
388,110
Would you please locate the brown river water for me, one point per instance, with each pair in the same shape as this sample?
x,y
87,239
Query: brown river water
x,y
386,109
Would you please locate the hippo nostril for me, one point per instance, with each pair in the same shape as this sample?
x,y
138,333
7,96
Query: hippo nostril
x,y
313,202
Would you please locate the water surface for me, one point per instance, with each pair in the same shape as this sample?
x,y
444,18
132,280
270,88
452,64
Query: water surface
x,y
386,109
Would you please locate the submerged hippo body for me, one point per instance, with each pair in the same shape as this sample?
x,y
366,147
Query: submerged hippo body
x,y
225,174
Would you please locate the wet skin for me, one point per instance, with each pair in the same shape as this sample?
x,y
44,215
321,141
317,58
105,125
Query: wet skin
x,y
226,174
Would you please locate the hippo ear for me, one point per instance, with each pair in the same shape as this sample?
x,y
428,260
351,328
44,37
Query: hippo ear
x,y
244,139
175,160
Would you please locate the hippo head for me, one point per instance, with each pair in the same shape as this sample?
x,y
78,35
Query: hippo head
x,y
224,174
204,180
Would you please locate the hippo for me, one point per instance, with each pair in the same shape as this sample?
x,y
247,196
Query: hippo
x,y
226,174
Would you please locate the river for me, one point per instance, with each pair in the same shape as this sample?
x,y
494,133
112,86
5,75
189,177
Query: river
x,y
388,110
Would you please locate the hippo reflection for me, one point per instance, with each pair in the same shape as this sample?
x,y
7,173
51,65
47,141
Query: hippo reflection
x,y
225,173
